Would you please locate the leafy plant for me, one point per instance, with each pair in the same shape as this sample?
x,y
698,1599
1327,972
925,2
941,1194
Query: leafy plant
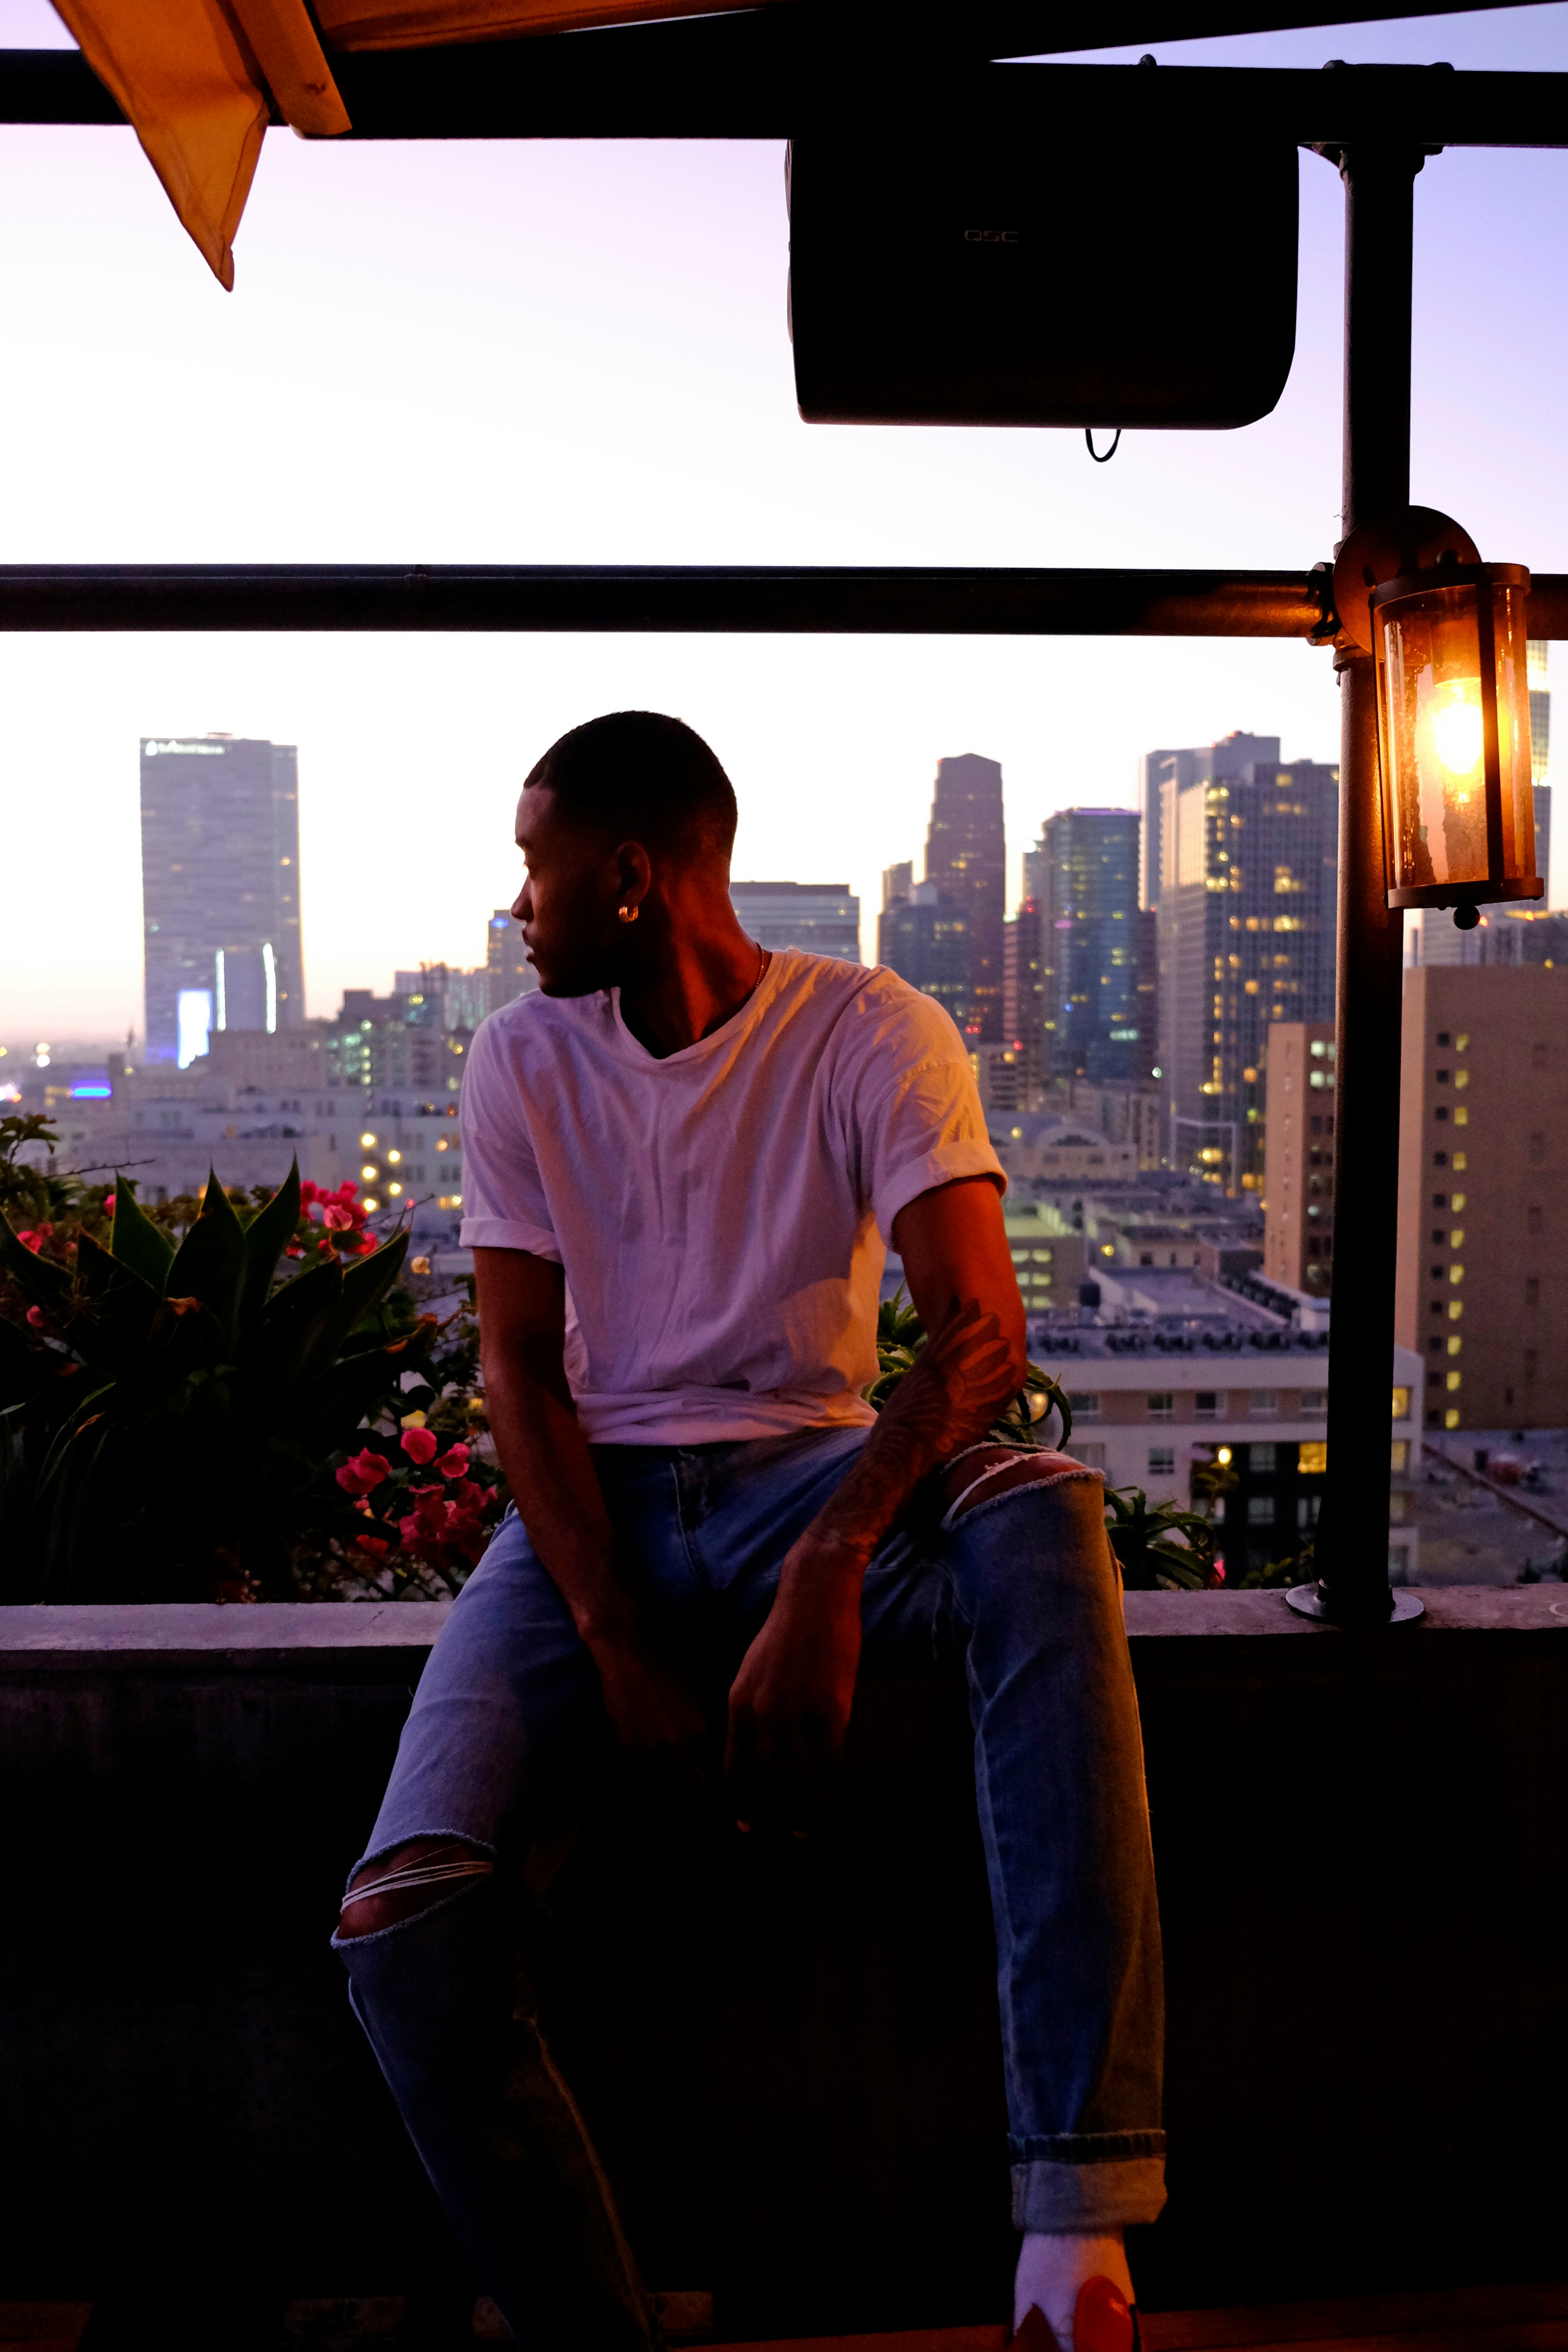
x,y
169,1413
1276,1575
1160,1548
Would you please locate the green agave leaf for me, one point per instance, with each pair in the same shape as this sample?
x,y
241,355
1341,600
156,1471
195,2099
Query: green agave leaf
x,y
332,1406
46,1283
90,1409
287,1338
209,1264
183,1337
123,1306
366,1284
137,1242
266,1237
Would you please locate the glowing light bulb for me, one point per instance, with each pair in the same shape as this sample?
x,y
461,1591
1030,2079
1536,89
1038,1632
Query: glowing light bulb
x,y
1458,735
368,1173
367,1142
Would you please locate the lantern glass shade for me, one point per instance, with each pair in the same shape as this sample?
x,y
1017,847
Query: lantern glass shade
x,y
1454,724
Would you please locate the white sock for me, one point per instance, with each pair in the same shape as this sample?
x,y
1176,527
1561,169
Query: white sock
x,y
1053,2265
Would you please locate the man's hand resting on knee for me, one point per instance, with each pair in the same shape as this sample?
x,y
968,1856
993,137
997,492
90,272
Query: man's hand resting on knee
x,y
790,1706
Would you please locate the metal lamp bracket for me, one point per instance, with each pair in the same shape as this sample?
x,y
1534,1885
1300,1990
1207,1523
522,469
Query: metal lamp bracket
x,y
1389,547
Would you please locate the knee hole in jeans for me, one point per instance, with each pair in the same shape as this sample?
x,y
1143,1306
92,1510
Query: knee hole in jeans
x,y
995,1470
410,1879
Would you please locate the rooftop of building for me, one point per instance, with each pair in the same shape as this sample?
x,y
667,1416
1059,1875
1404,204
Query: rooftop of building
x,y
1177,1311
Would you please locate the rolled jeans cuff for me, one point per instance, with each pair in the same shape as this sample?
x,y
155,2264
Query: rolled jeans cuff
x,y
1109,2181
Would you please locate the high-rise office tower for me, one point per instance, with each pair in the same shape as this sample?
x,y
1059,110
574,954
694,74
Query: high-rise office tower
x,y
822,916
1023,1000
1482,1281
1539,755
1088,944
966,858
220,890
1194,766
925,940
1246,936
1148,994
1299,1156
897,888
508,972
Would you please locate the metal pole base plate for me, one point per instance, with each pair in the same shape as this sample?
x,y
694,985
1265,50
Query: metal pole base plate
x,y
1306,1599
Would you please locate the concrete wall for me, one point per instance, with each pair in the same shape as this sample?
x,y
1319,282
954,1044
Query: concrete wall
x,y
790,2056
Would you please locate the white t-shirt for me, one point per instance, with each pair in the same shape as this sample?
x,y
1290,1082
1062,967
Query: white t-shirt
x,y
722,1214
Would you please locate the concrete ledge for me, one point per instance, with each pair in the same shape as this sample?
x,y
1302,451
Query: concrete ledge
x,y
122,1637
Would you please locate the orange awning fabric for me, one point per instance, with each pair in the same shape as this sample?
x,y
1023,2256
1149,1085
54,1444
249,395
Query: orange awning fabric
x,y
200,79
194,78
415,23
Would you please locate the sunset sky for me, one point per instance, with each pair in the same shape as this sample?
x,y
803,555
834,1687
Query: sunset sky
x,y
576,351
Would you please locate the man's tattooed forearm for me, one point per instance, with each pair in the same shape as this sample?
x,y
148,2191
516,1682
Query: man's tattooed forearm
x,y
963,1375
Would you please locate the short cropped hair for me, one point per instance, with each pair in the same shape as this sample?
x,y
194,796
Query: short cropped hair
x,y
636,775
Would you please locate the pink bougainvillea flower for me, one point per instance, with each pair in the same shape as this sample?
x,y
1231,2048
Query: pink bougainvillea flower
x,y
421,1447
453,1463
36,1318
338,1220
364,1471
347,1189
108,1199
376,1546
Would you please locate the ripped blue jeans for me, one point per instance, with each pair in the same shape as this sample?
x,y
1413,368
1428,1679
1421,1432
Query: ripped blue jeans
x,y
1020,1587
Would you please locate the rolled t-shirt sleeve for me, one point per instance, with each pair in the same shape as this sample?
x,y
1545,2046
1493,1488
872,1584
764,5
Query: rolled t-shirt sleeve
x,y
915,1108
504,1202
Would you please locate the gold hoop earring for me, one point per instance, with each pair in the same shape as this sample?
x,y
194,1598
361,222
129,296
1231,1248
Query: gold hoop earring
x,y
628,913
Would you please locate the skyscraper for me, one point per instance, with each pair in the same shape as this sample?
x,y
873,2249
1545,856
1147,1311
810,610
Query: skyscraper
x,y
1023,992
1299,1156
508,971
1090,944
1482,1280
220,890
1246,936
925,940
822,916
1181,768
966,858
1540,755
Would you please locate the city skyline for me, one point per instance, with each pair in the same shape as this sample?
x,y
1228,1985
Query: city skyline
x,y
568,351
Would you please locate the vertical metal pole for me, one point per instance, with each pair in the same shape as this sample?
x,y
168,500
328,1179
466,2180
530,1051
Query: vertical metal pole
x,y
1352,1541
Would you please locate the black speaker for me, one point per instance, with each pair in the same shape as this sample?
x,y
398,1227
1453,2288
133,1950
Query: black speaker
x,y
973,279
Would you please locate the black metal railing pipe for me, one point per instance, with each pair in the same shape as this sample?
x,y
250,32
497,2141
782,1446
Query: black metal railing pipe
x,y
708,598
1353,1541
786,600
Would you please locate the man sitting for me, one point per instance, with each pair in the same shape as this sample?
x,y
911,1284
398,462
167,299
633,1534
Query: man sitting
x,y
684,1161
